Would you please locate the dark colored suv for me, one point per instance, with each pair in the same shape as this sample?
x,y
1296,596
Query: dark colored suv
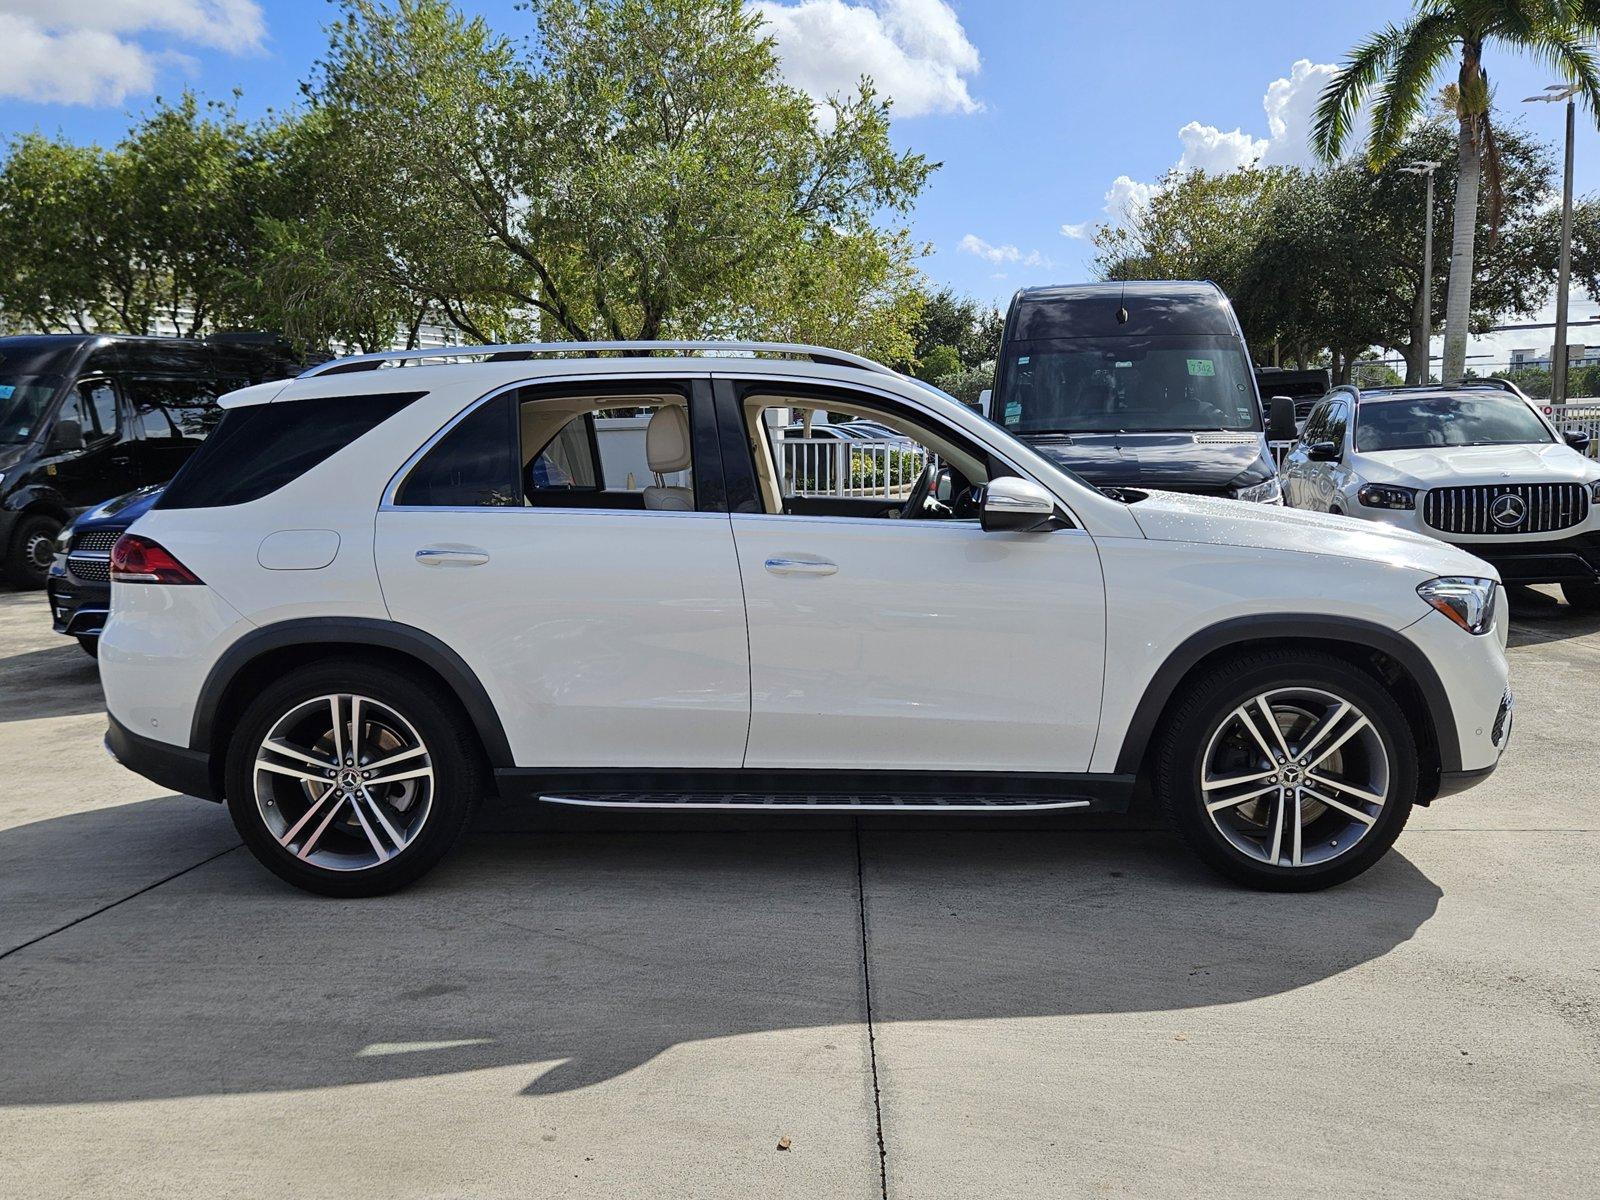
x,y
1139,384
87,417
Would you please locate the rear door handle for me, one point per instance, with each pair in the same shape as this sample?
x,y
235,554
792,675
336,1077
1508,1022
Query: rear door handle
x,y
791,565
452,556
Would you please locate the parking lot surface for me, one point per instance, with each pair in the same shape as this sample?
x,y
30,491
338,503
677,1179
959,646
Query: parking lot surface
x,y
1041,1010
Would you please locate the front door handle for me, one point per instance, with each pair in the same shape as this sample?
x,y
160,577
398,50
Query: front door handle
x,y
790,565
452,556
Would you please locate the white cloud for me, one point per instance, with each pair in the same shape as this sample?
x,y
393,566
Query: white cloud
x,y
1077,231
973,244
915,51
88,52
1289,103
1126,196
1209,149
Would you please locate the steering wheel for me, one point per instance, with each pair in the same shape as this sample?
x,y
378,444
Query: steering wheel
x,y
918,499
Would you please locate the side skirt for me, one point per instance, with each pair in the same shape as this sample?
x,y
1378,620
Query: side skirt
x,y
817,791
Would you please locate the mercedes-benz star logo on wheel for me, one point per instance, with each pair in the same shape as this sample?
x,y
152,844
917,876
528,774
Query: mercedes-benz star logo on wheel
x,y
1507,511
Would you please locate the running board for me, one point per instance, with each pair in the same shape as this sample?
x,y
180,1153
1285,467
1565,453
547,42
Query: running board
x,y
866,803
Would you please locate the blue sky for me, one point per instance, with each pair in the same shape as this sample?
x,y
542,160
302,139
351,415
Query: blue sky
x,y
1035,107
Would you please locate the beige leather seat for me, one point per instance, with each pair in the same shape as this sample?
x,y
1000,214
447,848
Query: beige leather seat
x,y
666,450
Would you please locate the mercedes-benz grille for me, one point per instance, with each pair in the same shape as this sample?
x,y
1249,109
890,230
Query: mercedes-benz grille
x,y
1507,508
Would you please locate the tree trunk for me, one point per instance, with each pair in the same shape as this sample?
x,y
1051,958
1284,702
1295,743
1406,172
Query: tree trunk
x,y
1458,296
1416,355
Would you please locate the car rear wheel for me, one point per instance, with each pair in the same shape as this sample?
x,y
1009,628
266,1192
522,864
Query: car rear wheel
x,y
350,779
1287,770
1585,597
33,544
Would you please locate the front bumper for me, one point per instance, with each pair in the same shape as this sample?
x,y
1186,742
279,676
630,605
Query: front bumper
x,y
176,767
1550,560
77,609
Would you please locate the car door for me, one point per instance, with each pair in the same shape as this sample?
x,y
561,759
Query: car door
x,y
884,643
1298,469
103,466
607,633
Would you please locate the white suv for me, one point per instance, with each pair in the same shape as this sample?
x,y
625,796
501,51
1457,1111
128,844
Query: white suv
x,y
1475,465
376,595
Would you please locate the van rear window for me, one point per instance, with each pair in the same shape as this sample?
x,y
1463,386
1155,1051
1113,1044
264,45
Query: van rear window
x,y
258,449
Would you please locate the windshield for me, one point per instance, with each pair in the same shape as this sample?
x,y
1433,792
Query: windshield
x,y
1413,422
1130,385
24,402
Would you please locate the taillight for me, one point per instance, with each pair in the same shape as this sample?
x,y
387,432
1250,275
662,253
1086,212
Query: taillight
x,y
137,559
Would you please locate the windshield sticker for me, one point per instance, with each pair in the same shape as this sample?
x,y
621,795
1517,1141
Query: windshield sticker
x,y
1013,412
1024,360
7,390
1129,363
1202,366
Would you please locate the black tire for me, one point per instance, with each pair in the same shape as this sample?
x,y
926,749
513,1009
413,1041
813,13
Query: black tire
x,y
452,752
91,646
1204,704
33,544
1584,597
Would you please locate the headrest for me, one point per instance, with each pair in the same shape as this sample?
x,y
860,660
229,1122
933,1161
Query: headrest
x,y
666,439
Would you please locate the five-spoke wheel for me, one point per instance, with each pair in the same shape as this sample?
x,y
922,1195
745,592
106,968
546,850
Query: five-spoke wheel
x,y
1287,769
350,778
343,781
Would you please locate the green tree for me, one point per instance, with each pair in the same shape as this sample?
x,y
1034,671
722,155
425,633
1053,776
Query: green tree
x,y
635,169
1398,66
50,193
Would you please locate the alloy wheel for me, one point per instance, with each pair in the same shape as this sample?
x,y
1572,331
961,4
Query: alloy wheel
x,y
343,782
1295,777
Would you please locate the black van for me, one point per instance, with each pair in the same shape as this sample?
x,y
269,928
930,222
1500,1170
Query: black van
x,y
1139,384
85,417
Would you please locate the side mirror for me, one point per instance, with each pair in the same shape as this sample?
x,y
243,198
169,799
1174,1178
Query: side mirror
x,y
1323,452
1578,438
1016,505
984,399
1280,421
67,435
944,486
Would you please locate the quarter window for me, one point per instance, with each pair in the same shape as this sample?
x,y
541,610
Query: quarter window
x,y
473,466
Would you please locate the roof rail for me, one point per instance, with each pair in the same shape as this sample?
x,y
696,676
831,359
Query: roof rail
x,y
525,350
1346,387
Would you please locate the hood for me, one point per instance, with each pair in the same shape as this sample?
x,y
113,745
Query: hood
x,y
1168,517
1453,466
122,511
1208,461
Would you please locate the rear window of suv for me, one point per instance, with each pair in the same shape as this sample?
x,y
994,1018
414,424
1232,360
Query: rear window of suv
x,y
258,449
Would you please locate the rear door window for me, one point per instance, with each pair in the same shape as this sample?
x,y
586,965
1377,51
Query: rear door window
x,y
474,465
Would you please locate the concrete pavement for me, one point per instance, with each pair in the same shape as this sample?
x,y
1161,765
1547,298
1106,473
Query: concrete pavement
x,y
1002,1012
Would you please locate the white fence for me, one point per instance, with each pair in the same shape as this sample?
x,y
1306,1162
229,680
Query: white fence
x,y
1584,416
859,469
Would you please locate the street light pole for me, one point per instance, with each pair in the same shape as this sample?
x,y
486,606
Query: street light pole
x,y
1426,168
1558,369
1558,377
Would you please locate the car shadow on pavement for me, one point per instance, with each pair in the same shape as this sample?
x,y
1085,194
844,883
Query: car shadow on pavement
x,y
582,956
61,681
1537,616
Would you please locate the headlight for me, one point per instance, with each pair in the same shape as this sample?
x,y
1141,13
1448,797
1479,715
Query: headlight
x,y
1594,490
1270,492
1466,600
1382,495
64,540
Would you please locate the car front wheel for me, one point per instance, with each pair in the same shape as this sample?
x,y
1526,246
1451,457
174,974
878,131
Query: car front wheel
x,y
1584,597
1286,770
350,779
32,549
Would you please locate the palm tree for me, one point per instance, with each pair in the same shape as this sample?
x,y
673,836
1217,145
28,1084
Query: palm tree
x,y
1397,67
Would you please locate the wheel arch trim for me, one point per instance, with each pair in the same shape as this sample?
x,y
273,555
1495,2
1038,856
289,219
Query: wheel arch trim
x,y
353,631
1277,628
